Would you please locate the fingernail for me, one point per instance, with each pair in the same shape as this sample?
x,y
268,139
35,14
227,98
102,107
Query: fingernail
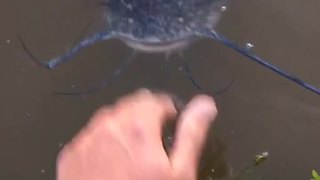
x,y
202,107
144,91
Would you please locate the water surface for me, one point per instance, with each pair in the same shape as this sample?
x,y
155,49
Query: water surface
x,y
259,112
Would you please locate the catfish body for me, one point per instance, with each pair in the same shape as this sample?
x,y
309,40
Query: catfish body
x,y
161,25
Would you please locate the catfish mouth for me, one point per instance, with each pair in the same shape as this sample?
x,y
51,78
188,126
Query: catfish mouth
x,y
155,45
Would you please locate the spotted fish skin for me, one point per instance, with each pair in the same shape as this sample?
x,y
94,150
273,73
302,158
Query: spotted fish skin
x,y
161,21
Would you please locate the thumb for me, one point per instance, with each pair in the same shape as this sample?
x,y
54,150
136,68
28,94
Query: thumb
x,y
191,134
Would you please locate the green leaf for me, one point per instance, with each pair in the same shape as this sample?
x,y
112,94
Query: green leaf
x,y
315,175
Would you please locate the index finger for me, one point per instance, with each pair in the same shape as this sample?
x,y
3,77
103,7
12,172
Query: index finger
x,y
142,115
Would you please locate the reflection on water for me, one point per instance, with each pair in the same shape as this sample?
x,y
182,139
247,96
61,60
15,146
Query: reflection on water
x,y
259,112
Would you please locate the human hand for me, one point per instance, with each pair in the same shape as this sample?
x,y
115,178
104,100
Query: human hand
x,y
123,142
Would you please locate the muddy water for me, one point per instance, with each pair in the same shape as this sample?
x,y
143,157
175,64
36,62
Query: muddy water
x,y
259,112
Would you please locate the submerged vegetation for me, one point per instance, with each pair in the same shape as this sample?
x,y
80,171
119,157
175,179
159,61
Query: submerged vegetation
x,y
315,175
248,170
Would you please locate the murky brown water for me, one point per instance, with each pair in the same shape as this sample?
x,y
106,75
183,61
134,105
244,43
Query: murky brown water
x,y
260,112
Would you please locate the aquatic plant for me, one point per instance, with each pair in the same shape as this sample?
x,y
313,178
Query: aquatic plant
x,y
315,175
248,170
